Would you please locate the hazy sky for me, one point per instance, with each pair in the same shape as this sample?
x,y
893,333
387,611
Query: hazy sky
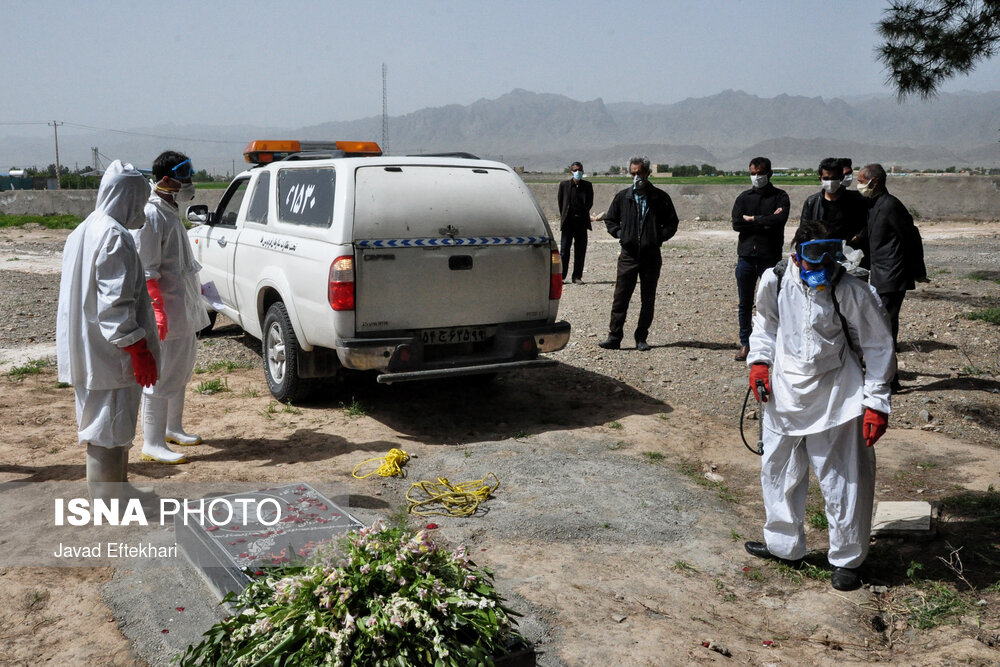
x,y
122,65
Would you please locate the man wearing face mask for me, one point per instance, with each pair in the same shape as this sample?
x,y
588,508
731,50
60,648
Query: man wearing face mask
x,y
576,197
897,254
822,407
641,217
105,328
847,164
172,280
844,212
759,215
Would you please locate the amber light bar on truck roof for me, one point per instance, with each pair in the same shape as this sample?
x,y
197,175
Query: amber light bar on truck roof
x,y
263,151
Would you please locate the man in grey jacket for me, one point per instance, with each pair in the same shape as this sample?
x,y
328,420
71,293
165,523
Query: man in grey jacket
x,y
641,217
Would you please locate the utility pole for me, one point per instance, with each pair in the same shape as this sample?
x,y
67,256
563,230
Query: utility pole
x,y
55,129
93,149
385,113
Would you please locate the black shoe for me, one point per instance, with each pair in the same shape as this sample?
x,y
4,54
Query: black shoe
x,y
611,343
895,387
643,346
760,550
845,579
742,354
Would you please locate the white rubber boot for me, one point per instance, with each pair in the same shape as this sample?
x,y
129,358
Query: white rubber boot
x,y
154,429
132,491
104,472
175,432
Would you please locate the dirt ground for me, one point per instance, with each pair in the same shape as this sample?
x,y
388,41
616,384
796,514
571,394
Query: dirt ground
x,y
605,531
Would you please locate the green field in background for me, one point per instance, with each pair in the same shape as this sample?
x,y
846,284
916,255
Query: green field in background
x,y
47,221
685,180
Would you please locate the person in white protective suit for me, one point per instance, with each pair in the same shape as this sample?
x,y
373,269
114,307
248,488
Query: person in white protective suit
x,y
105,328
172,281
822,406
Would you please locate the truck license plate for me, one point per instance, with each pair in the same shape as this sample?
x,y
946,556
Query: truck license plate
x,y
453,335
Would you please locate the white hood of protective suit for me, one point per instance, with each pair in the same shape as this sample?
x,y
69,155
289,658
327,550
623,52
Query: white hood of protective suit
x,y
103,303
123,194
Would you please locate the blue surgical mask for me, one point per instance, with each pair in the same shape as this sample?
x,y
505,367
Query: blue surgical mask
x,y
577,175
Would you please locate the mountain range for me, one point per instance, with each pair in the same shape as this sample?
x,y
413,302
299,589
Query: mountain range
x,y
544,132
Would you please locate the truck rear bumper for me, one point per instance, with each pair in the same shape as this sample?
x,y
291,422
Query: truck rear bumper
x,y
406,357
484,369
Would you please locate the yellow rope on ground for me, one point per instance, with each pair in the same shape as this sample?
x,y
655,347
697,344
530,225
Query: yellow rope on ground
x,y
454,499
391,465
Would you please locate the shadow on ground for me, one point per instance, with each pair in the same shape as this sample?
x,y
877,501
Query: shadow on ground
x,y
701,345
923,346
516,404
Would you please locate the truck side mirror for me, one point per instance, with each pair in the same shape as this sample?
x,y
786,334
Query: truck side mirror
x,y
198,214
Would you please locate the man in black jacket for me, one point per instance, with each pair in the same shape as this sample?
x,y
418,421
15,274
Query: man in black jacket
x,y
759,215
844,212
897,255
641,217
576,197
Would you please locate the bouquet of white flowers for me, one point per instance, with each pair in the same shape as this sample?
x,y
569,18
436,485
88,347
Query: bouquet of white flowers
x,y
388,596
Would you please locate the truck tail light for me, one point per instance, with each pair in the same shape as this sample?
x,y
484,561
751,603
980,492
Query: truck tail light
x,y
555,280
341,290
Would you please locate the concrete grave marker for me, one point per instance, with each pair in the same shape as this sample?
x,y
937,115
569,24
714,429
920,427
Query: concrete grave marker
x,y
902,518
305,520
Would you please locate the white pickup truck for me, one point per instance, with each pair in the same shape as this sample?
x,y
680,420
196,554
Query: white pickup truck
x,y
413,267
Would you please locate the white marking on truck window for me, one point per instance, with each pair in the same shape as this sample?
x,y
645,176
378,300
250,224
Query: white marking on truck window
x,y
299,196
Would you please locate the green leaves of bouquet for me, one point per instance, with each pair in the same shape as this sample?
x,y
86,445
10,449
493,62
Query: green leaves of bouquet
x,y
389,596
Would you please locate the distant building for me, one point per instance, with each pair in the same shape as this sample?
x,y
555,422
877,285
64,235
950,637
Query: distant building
x,y
16,180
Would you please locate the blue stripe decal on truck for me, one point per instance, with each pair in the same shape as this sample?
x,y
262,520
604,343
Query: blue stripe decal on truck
x,y
445,241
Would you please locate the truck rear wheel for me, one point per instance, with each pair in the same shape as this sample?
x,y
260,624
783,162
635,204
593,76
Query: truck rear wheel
x,y
280,350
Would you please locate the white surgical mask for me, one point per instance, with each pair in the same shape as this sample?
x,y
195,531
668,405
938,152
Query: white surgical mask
x,y
848,179
866,189
831,186
577,175
185,194
758,180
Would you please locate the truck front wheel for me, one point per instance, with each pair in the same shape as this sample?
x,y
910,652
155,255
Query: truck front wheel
x,y
280,352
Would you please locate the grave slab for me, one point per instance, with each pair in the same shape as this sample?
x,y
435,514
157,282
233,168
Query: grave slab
x,y
306,520
902,518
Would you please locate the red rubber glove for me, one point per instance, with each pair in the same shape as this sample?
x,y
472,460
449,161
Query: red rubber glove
x,y
153,287
143,363
874,425
760,371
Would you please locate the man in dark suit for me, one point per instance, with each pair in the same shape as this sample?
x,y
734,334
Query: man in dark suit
x,y
576,197
641,217
897,259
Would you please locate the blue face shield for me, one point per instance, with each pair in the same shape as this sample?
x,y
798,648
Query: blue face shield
x,y
183,171
818,251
